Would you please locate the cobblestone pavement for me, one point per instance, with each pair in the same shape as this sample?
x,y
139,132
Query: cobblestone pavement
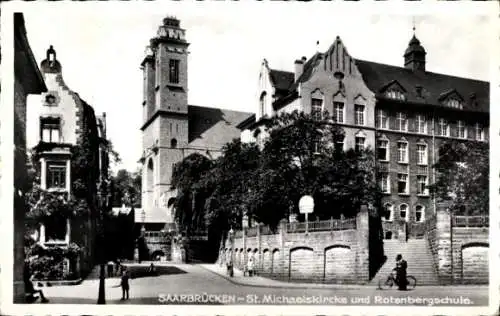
x,y
207,284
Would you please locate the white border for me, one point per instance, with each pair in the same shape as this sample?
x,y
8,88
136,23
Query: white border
x,y
459,9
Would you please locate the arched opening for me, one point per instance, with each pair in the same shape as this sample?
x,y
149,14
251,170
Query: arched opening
x,y
156,256
263,103
403,212
388,214
419,213
150,175
173,143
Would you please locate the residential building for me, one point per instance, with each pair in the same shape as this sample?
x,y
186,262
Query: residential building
x,y
71,153
403,113
27,80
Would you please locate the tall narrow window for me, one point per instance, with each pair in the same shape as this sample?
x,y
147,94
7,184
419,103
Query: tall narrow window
x,y
403,212
402,152
263,104
173,70
338,112
422,154
359,114
443,128
479,132
56,174
384,183
388,212
462,130
419,213
401,122
50,130
317,109
383,149
422,185
402,183
382,120
360,144
421,124
339,143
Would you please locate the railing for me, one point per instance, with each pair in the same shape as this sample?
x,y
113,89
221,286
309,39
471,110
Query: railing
x,y
330,225
252,231
470,221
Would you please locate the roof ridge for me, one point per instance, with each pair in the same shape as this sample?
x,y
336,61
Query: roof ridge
x,y
221,109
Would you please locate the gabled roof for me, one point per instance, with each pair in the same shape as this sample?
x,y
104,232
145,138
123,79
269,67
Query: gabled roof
x,y
282,80
434,85
211,128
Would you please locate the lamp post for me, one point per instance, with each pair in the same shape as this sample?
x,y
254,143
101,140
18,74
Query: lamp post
x,y
101,299
306,206
244,225
231,239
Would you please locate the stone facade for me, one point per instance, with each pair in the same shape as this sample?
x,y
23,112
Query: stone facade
x,y
27,80
333,256
172,129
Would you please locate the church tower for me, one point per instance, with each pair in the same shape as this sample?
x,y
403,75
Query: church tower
x,y
415,55
165,117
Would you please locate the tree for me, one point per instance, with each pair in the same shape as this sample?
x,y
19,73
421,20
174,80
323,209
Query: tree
x,y
463,177
126,188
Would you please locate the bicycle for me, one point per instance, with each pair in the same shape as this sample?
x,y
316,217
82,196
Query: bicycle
x,y
387,283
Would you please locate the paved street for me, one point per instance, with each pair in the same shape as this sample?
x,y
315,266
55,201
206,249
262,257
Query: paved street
x,y
202,284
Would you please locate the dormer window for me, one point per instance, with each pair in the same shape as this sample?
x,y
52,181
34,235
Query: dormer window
x,y
395,94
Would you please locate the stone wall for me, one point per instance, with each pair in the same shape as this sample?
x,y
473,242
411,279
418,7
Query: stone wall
x,y
333,256
460,251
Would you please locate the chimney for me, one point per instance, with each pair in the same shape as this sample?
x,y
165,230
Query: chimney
x,y
299,67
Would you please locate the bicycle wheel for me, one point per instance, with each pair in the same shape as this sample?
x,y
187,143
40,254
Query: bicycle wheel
x,y
411,282
385,283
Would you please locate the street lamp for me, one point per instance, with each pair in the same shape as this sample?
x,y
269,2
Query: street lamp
x,y
244,225
231,239
306,206
101,299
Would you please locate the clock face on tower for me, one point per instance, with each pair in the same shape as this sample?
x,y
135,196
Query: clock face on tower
x,y
50,100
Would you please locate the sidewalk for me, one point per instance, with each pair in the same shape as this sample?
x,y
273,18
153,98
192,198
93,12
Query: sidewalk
x,y
259,281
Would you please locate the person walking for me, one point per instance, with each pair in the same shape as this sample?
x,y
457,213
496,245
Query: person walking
x,y
250,266
229,263
125,285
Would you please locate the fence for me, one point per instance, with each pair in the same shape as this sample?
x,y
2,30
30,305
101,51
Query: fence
x,y
329,225
470,221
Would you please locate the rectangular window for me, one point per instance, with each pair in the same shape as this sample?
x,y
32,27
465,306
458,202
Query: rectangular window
x,y
338,112
50,130
384,182
359,114
383,150
402,183
401,122
360,144
56,174
443,128
462,130
421,124
422,154
382,120
422,185
317,109
339,144
173,70
479,132
403,152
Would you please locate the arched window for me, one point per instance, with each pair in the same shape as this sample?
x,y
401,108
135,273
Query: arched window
x,y
262,101
150,175
383,148
419,213
388,212
360,139
173,143
403,212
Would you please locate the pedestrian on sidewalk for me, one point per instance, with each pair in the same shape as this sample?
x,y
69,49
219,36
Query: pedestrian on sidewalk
x,y
125,285
250,266
229,264
30,289
110,268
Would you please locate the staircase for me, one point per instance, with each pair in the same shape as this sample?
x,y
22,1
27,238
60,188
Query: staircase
x,y
418,256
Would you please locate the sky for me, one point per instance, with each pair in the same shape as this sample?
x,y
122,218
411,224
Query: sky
x,y
101,47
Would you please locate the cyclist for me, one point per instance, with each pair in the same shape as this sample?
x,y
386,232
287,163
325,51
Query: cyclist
x,y
400,271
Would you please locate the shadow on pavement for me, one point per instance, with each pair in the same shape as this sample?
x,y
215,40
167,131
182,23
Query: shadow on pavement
x,y
142,272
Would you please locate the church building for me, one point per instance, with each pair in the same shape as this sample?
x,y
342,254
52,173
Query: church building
x,y
173,129
403,113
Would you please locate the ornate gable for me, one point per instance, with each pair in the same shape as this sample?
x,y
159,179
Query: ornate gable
x,y
452,99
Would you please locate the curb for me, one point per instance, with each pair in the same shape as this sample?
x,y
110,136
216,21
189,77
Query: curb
x,y
284,286
44,283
